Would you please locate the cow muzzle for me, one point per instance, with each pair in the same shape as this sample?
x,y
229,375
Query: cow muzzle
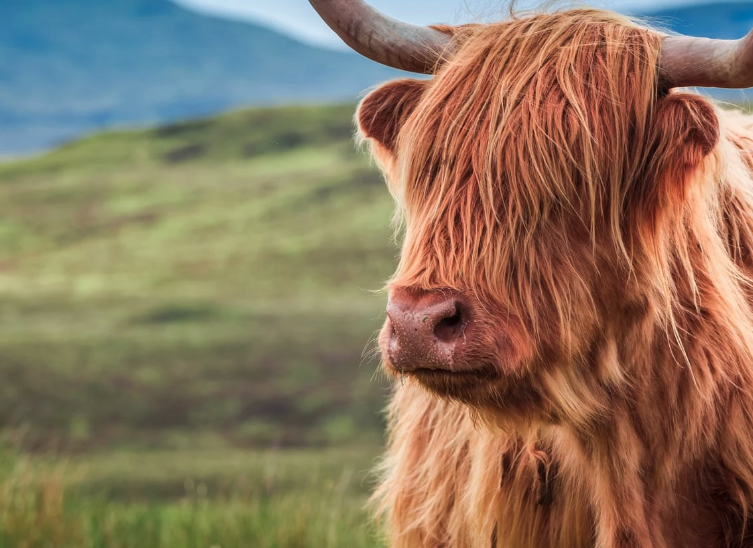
x,y
427,330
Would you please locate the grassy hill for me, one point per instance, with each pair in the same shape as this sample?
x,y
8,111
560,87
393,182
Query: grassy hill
x,y
202,281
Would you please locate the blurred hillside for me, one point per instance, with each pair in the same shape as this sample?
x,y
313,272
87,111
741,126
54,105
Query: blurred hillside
x,y
70,67
203,279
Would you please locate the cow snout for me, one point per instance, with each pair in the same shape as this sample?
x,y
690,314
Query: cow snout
x,y
426,329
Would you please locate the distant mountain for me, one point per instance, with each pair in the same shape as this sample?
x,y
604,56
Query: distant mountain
x,y
74,66
69,67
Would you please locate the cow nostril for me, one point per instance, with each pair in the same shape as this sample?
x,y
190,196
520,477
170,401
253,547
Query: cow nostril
x,y
447,328
427,330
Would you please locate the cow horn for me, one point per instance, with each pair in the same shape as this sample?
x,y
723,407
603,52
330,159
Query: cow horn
x,y
687,61
383,39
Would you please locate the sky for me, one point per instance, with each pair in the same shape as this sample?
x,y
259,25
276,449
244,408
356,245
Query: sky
x,y
298,18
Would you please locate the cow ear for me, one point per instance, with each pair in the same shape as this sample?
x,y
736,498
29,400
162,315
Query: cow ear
x,y
684,131
383,111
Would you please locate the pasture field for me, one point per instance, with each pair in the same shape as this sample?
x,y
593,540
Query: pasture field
x,y
209,279
183,313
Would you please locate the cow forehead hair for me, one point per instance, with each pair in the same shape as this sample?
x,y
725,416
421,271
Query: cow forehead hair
x,y
529,116
531,140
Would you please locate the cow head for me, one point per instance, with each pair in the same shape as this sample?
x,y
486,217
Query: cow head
x,y
540,178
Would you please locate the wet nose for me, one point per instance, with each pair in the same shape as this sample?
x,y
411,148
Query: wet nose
x,y
428,329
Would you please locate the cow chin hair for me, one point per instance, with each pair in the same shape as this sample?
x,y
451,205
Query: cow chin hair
x,y
521,182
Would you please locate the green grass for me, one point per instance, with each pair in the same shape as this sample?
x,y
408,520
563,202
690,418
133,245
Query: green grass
x,y
209,277
182,318
189,500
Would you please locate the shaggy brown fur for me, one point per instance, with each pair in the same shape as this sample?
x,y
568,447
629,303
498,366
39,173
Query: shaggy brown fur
x,y
605,226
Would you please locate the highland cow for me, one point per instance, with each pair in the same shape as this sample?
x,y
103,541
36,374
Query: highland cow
x,y
572,312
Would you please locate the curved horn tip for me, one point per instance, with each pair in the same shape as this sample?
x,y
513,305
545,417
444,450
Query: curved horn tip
x,y
383,39
688,61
